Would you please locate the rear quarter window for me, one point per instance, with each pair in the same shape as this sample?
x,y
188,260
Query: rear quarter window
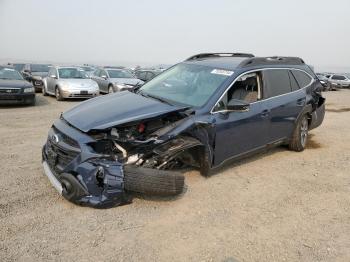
x,y
302,78
275,82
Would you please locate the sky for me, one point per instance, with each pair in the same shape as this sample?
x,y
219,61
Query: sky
x,y
161,31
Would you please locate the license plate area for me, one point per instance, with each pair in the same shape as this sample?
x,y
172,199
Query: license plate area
x,y
83,92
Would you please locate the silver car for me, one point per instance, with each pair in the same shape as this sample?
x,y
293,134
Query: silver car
x,y
69,82
112,80
339,81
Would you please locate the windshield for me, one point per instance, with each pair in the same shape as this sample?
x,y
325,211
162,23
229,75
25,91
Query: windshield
x,y
18,67
187,84
120,74
39,68
71,73
11,74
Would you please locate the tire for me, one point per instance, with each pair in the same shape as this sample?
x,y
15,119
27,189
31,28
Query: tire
x,y
153,181
58,94
110,89
43,90
299,139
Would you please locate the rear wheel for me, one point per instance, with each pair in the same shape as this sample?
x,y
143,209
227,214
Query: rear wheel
x,y
58,94
299,139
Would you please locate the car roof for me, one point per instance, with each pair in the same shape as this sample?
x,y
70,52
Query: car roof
x,y
233,61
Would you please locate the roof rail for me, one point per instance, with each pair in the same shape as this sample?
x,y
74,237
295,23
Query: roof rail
x,y
205,55
273,60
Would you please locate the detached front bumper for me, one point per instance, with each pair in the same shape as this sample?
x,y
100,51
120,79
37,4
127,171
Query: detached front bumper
x,y
80,176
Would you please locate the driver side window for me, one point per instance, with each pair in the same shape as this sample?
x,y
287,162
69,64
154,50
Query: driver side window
x,y
247,88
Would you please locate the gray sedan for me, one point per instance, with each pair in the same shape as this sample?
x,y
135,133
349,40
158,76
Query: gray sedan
x,y
339,81
69,82
112,80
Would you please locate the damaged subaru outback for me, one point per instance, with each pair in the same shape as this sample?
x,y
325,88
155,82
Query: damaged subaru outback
x,y
200,113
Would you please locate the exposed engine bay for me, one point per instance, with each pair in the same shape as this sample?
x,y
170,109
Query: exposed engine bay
x,y
147,143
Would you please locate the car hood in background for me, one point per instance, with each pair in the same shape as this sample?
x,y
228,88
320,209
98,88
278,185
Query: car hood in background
x,y
127,81
111,110
41,74
14,83
78,83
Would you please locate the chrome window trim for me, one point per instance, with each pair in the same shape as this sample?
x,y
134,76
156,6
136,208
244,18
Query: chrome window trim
x,y
262,69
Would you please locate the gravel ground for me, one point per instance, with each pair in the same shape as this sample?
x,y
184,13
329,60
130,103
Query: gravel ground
x,y
276,206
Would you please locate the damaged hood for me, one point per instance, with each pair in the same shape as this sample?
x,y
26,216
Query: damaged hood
x,y
115,109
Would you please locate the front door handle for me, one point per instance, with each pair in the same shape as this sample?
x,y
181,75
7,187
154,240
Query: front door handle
x,y
265,113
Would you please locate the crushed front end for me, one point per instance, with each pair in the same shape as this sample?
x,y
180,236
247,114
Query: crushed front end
x,y
80,174
100,167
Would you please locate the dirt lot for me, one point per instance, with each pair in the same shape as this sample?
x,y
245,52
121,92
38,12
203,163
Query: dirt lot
x,y
277,206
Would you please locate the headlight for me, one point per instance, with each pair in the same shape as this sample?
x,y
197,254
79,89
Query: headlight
x,y
64,87
29,90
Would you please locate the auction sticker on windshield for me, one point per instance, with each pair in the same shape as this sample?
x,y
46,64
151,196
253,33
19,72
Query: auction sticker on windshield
x,y
222,72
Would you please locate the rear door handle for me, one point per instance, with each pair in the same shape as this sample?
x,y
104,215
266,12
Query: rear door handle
x,y
265,113
301,102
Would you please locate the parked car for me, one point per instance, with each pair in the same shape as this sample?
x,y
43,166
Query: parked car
x,y
339,81
14,89
89,70
18,66
324,81
202,112
147,74
35,73
69,82
112,80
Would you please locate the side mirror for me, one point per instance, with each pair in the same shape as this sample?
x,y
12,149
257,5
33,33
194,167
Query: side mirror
x,y
53,76
237,105
26,71
104,77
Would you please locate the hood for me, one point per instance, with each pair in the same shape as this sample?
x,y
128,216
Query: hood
x,y
41,74
78,83
115,109
14,83
127,81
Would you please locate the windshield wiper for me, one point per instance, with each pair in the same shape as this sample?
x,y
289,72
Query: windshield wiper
x,y
155,97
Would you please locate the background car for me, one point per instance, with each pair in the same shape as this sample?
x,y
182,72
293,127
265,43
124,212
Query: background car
x,y
323,80
112,80
89,70
35,73
147,74
69,82
14,89
339,81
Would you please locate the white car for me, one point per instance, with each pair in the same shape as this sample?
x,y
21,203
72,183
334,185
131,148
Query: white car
x,y
69,82
339,81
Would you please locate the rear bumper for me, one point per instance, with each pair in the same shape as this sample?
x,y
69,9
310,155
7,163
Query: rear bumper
x,y
318,115
13,99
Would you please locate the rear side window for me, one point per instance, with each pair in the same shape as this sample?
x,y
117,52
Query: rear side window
x,y
338,77
293,82
302,78
276,82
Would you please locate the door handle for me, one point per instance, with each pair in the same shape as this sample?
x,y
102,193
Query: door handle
x,y
301,102
265,113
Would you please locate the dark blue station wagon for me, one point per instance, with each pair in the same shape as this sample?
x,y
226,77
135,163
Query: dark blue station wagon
x,y
201,112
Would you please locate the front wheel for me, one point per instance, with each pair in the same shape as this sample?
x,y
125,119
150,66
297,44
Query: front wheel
x,y
58,94
299,139
110,89
43,90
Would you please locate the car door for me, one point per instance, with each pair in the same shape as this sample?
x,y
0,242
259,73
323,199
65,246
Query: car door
x,y
244,131
96,78
50,80
104,80
284,100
